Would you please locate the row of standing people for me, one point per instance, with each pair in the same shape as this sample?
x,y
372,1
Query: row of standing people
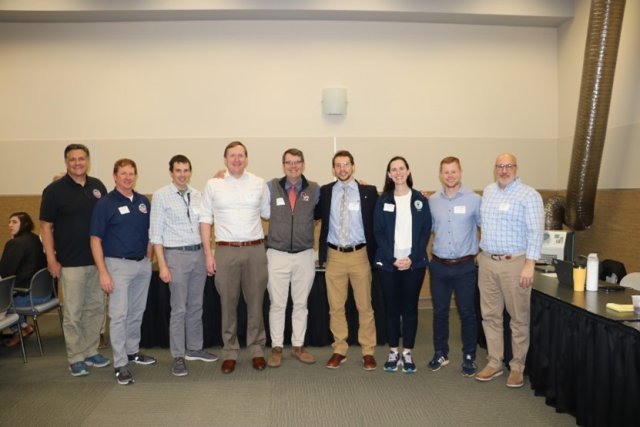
x,y
359,230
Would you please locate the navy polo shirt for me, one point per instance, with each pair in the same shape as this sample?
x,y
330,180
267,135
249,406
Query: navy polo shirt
x,y
69,206
122,225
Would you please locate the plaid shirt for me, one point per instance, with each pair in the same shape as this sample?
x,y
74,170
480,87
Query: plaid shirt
x,y
512,220
174,218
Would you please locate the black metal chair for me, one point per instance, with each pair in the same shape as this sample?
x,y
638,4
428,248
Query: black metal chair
x,y
6,307
42,284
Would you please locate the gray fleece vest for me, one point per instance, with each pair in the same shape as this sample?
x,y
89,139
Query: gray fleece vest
x,y
292,232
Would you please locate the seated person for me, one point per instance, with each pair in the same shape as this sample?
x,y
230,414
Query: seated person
x,y
23,256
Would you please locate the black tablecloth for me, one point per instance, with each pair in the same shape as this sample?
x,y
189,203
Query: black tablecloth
x,y
584,364
155,323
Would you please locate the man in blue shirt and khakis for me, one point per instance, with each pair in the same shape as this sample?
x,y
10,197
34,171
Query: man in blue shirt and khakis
x,y
512,230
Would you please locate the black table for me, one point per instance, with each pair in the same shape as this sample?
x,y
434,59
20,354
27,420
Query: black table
x,y
155,323
583,357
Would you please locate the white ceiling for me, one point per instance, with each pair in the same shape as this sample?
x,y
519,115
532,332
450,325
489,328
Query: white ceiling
x,y
544,13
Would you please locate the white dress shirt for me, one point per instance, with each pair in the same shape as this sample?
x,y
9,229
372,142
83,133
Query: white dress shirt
x,y
234,206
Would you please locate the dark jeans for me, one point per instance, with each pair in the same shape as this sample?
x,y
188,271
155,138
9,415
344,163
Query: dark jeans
x,y
401,292
463,280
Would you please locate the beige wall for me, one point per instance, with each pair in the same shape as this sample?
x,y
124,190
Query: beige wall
x,y
148,90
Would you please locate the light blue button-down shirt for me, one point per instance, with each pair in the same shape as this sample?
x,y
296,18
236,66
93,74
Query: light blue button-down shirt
x,y
174,217
356,228
455,223
512,220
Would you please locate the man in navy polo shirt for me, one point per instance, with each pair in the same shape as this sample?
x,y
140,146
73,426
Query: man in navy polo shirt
x,y
65,214
122,252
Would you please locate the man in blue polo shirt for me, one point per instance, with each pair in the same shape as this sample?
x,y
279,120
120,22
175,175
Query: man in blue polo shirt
x,y
122,252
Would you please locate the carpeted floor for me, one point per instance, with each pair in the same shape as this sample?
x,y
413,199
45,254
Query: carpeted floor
x,y
43,393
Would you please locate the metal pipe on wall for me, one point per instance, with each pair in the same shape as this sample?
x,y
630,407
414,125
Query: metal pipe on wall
x,y
601,51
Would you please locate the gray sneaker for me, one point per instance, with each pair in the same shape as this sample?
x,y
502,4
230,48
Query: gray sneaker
x,y
123,376
178,368
201,355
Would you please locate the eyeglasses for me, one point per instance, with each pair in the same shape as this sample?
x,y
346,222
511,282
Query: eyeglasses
x,y
342,165
293,162
508,166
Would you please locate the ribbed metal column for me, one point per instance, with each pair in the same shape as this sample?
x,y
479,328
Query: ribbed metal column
x,y
601,51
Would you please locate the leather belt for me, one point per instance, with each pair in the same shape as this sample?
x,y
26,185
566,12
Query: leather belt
x,y
137,259
503,257
241,244
347,248
453,261
189,248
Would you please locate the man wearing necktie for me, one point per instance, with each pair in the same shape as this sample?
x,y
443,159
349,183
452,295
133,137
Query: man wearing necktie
x,y
347,246
290,254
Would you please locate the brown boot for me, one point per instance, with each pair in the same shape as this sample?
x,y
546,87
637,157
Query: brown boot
x,y
302,355
275,360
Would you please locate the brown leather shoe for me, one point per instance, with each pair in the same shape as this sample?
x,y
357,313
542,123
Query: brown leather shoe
x,y
488,373
515,379
27,330
302,355
228,366
13,341
336,360
275,360
369,363
259,363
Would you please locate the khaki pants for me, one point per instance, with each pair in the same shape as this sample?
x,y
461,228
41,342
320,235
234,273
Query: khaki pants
x,y
344,268
499,286
83,311
242,270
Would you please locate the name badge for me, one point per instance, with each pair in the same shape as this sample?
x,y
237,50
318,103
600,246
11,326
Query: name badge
x,y
389,207
460,209
279,201
354,206
504,207
123,210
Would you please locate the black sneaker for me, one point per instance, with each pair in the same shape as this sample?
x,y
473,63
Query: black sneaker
x,y
439,360
123,376
141,359
407,363
391,365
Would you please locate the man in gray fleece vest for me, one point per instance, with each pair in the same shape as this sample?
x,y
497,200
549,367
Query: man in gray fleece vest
x,y
290,254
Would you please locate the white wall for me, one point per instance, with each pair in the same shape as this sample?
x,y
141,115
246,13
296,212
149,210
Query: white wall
x,y
152,89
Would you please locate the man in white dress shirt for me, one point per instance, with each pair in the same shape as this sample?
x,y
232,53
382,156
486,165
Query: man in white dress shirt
x,y
235,204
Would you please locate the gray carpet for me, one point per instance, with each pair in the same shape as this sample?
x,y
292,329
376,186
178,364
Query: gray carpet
x,y
42,393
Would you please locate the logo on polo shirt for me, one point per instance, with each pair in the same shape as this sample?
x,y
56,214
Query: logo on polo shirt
x,y
96,193
142,208
418,204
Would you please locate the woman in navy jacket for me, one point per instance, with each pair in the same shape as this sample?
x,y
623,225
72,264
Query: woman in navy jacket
x,y
402,226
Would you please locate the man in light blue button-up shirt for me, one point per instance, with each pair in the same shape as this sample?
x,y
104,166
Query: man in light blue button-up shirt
x,y
512,230
175,235
455,211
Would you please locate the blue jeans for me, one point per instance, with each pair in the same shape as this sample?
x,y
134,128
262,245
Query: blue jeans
x,y
401,292
463,280
24,301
